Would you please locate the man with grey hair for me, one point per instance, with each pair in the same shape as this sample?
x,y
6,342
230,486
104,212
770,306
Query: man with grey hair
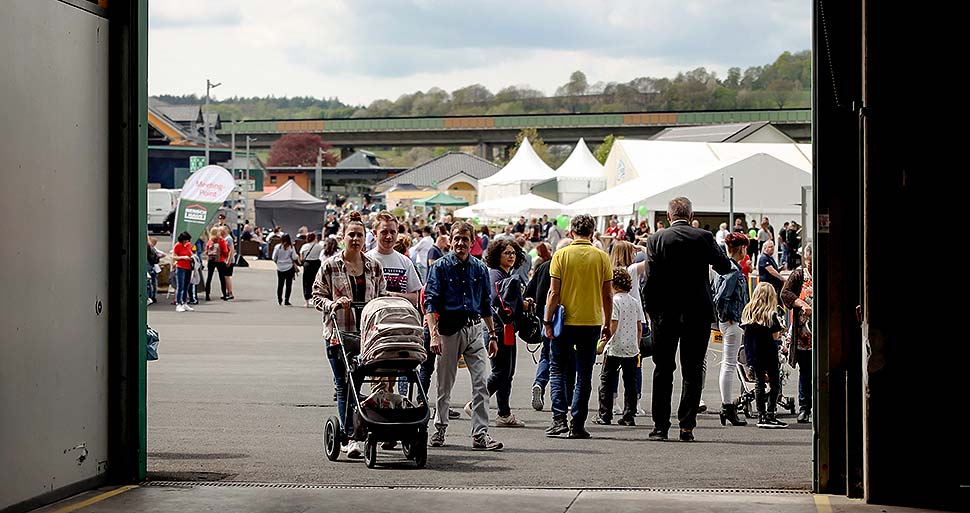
x,y
581,281
677,295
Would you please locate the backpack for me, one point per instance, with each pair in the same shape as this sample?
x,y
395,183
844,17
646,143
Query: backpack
x,y
212,251
152,256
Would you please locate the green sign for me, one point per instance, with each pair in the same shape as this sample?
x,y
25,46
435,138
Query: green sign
x,y
196,163
194,216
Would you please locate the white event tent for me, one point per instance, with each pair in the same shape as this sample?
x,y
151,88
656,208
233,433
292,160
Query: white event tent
x,y
517,177
764,185
580,176
528,205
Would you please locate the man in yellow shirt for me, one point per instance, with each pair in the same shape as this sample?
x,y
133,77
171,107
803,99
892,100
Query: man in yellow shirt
x,y
581,281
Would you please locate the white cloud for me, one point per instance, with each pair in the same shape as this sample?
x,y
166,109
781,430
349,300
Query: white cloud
x,y
361,50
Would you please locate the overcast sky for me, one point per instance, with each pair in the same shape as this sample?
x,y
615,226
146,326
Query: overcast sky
x,y
363,50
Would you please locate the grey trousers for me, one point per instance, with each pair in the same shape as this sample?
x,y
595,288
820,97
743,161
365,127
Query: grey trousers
x,y
468,342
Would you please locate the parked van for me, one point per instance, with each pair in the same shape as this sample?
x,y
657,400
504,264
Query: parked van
x,y
161,203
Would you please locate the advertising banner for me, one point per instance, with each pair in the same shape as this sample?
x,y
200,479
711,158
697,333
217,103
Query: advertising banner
x,y
202,195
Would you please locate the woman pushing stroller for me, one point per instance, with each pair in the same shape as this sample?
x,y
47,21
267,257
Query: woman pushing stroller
x,y
348,277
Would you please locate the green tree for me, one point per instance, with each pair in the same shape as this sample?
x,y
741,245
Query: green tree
x,y
602,152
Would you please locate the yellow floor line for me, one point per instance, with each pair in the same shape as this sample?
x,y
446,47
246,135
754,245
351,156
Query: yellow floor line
x,y
822,504
94,500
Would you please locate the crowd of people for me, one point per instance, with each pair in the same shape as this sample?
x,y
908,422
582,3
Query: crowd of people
x,y
593,294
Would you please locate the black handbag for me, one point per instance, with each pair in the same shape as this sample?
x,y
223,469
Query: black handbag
x,y
646,341
530,328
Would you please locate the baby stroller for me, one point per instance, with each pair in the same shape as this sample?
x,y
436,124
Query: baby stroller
x,y
390,345
746,402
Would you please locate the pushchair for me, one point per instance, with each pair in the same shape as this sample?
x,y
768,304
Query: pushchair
x,y
389,345
747,402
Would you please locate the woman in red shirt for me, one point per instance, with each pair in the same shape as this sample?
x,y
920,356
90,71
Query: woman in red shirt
x,y
216,251
182,256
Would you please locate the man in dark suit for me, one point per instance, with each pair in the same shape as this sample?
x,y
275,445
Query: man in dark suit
x,y
677,295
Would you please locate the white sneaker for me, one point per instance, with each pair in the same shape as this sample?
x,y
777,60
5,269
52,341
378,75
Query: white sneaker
x,y
510,421
344,448
468,409
701,407
188,308
354,452
179,308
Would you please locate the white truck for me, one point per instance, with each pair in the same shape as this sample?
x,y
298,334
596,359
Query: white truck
x,y
161,203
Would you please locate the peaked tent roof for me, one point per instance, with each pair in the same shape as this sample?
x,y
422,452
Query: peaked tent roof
x,y
581,164
778,187
441,198
289,193
442,168
524,166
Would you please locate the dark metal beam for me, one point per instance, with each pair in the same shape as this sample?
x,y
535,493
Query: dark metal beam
x,y
128,146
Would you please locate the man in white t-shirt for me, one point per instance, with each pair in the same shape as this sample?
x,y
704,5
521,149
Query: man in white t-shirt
x,y
419,253
402,278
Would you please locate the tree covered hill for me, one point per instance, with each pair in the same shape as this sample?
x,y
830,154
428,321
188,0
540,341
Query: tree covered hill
x,y
785,83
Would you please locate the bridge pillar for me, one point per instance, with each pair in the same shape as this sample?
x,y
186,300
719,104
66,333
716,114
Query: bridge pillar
x,y
484,150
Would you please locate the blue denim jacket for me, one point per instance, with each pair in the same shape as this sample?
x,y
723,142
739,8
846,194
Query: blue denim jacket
x,y
730,294
458,287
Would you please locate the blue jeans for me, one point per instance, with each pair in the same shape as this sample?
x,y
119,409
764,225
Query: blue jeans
x,y
183,278
542,370
804,360
340,383
152,284
573,352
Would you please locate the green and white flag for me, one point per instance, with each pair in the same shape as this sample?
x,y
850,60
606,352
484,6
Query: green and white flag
x,y
202,195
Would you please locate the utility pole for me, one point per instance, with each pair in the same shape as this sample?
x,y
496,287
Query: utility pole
x,y
205,116
319,173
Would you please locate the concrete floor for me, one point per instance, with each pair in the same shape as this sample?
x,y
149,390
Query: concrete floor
x,y
251,499
242,390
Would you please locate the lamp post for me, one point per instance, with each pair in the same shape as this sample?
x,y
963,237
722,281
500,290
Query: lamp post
x,y
318,182
246,182
731,204
205,116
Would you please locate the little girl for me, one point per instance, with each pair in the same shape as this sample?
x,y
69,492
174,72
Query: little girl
x,y
622,351
761,333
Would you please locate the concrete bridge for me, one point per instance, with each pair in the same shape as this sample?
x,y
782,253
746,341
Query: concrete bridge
x,y
491,132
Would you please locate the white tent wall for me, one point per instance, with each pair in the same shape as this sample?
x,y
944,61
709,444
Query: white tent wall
x,y
762,183
571,190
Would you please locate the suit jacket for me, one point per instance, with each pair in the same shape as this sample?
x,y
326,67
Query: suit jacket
x,y
677,272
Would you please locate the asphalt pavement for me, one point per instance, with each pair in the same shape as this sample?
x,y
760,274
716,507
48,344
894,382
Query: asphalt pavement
x,y
242,390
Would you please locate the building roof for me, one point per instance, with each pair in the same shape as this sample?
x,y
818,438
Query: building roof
x,y
240,163
359,160
181,113
173,132
733,132
440,169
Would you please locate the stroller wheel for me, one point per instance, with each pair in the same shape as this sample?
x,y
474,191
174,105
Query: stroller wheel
x,y
331,438
419,449
370,452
